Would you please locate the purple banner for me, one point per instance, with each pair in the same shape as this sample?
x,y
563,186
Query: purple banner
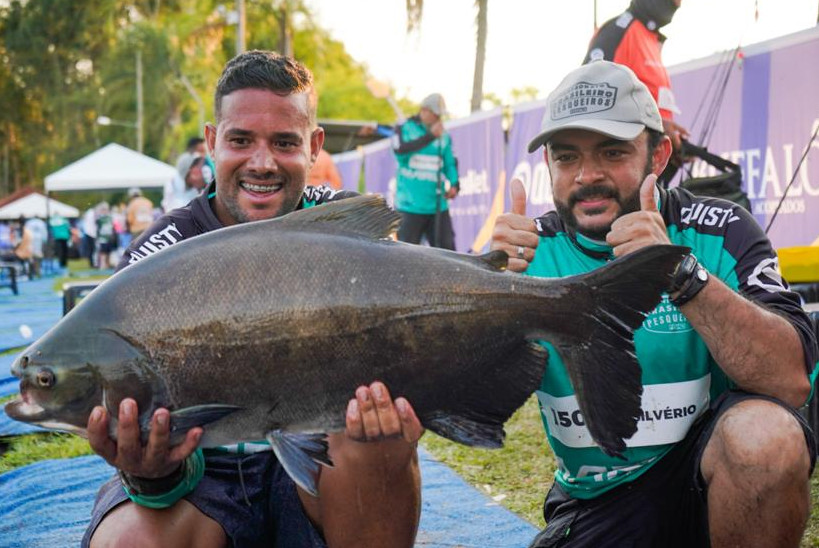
x,y
348,165
379,170
769,112
477,143
529,168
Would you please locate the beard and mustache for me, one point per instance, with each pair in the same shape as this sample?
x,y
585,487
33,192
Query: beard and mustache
x,y
628,204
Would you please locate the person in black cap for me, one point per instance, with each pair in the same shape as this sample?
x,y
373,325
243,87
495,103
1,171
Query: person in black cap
x,y
720,456
633,39
427,176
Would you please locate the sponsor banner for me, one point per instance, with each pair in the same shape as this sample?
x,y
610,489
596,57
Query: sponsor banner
x,y
768,115
348,165
379,169
667,412
529,168
477,143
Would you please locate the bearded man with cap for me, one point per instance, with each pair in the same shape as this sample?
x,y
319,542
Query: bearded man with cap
x,y
424,154
720,457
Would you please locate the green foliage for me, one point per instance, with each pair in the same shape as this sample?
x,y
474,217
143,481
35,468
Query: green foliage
x,y
63,64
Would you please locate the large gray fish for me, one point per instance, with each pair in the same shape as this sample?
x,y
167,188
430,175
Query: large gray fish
x,y
265,329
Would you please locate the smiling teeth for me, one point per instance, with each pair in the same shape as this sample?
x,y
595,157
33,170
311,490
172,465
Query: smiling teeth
x,y
261,188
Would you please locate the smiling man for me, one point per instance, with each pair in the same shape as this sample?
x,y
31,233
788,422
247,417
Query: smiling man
x,y
264,142
720,457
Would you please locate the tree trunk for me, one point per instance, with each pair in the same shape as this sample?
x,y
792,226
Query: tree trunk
x,y
285,29
480,55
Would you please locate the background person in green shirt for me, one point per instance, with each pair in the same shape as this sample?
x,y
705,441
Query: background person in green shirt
x,y
427,176
720,456
61,232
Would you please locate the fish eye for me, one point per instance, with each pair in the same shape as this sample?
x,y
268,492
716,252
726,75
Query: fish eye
x,y
45,378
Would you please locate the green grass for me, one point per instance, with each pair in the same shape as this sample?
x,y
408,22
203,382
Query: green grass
x,y
23,450
78,270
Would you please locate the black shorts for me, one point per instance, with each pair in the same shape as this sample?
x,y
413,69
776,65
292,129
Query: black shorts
x,y
261,509
667,506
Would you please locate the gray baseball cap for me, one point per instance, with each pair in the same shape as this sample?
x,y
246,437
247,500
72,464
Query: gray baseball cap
x,y
603,97
435,103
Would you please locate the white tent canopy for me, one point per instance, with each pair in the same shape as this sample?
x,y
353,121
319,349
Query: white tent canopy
x,y
34,205
111,167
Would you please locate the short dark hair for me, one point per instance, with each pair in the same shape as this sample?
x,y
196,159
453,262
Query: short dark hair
x,y
194,142
268,70
654,138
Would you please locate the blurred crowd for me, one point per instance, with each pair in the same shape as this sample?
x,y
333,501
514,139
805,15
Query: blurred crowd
x,y
104,231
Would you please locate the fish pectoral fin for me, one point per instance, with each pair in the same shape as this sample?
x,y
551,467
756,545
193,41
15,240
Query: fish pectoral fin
x,y
184,419
301,455
367,216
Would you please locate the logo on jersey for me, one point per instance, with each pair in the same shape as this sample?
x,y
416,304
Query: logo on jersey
x,y
706,215
319,194
766,276
666,318
157,241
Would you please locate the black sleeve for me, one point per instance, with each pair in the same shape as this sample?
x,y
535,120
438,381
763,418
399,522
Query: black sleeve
x,y
399,146
757,270
604,44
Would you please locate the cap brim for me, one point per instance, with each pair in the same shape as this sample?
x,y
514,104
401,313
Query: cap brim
x,y
625,131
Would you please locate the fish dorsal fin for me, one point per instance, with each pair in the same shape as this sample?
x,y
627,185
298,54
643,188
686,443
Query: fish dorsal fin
x,y
495,261
366,216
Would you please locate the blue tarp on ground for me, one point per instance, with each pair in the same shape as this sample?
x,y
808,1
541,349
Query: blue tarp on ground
x,y
49,503
27,316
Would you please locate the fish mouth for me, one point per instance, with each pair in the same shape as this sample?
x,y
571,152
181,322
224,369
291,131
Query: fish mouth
x,y
24,410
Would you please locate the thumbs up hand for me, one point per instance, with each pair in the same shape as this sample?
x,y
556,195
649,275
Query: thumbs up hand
x,y
515,233
642,228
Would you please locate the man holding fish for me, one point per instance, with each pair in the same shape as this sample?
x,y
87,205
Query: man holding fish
x,y
264,143
720,456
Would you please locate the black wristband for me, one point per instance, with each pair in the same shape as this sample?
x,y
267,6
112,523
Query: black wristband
x,y
689,280
153,486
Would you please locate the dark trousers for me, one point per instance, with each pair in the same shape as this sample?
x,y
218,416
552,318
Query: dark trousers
x,y
61,249
413,226
89,248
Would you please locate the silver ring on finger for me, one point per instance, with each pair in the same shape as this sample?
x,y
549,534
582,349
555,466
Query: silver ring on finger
x,y
521,249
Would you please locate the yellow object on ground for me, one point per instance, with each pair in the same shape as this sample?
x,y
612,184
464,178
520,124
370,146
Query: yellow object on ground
x,y
799,264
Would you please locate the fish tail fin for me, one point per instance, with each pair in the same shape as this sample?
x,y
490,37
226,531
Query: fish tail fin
x,y
599,350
